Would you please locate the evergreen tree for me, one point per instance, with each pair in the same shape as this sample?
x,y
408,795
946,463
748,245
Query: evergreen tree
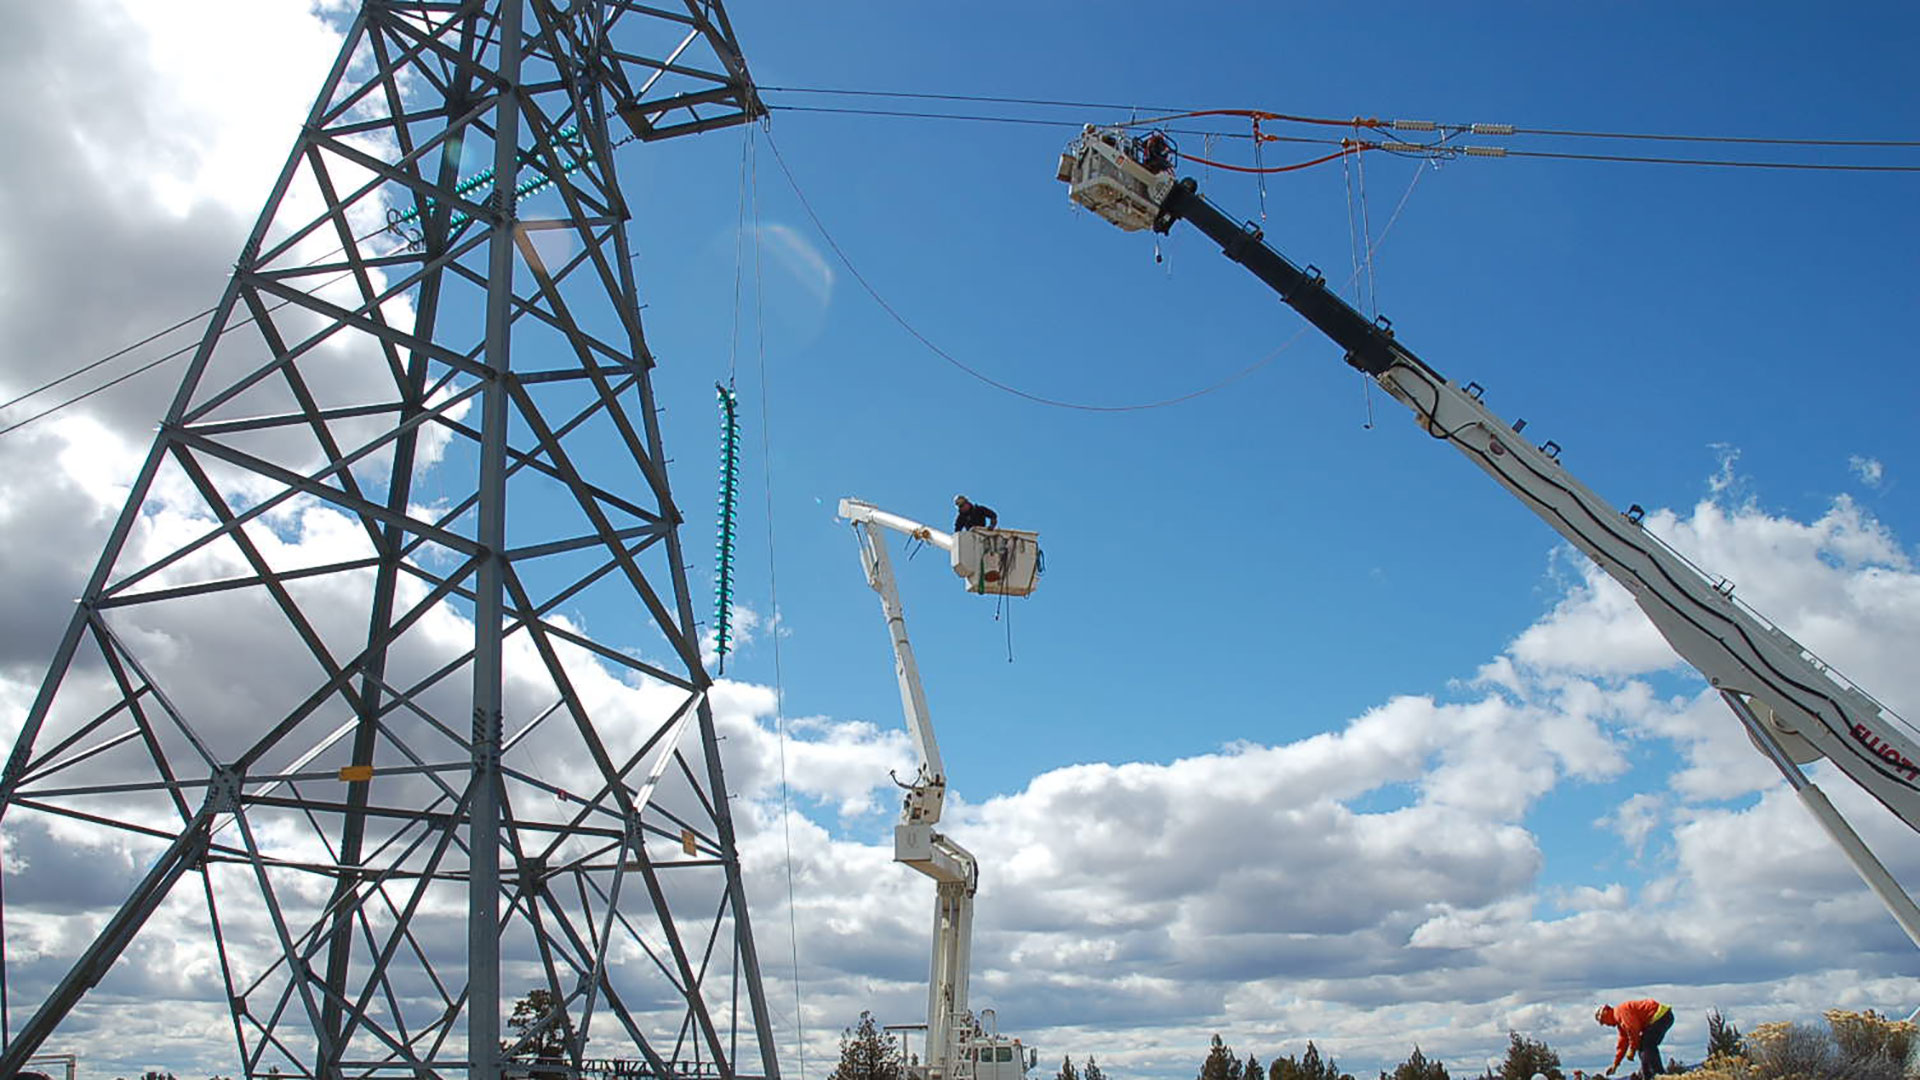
x,y
1067,1071
1252,1070
1723,1039
1313,1068
1284,1068
867,1053
1417,1067
1220,1063
546,1027
1528,1056
1093,1070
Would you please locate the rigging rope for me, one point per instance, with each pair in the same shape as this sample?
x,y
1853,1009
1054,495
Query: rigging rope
x,y
727,511
1366,235
1354,241
931,346
773,590
1360,249
840,253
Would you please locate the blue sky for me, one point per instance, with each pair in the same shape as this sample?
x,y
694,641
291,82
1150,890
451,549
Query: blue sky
x,y
1311,731
1642,316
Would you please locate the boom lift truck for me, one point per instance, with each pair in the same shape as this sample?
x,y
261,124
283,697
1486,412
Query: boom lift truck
x,y
959,1045
1793,706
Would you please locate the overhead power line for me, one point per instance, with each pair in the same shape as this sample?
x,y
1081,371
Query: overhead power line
x,y
905,95
966,97
1028,121
394,224
1890,143
109,384
1160,116
1815,166
1435,149
109,358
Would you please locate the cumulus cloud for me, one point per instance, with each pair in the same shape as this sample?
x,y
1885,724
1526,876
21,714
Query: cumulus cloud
x,y
1869,471
1262,893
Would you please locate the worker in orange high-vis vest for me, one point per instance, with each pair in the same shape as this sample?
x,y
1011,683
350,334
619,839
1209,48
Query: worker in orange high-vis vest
x,y
1642,1025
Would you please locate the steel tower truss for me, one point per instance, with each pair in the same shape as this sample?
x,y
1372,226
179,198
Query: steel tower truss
x,y
339,700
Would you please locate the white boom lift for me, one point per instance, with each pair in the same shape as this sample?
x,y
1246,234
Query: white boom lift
x,y
1794,707
960,1045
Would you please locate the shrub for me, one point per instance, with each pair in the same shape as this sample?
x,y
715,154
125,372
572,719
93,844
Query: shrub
x,y
1855,1046
1727,1067
1869,1037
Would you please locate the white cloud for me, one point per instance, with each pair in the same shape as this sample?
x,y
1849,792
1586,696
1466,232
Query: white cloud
x,y
1127,909
1635,820
1869,471
1390,867
801,258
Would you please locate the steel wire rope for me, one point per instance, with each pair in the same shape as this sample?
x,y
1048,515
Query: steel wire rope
x,y
1366,235
739,257
1357,240
943,354
729,441
773,597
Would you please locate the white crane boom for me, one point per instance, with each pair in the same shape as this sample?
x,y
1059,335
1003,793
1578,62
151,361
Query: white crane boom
x,y
1794,707
927,794
997,560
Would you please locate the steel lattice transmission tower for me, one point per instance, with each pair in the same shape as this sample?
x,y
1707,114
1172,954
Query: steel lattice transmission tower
x,y
332,682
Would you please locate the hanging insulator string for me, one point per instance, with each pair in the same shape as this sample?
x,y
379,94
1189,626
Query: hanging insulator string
x,y
723,542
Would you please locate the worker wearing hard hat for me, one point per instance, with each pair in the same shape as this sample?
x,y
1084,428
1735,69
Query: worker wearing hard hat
x,y
971,515
1642,1023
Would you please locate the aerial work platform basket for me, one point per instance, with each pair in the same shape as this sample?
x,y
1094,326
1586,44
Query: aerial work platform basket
x,y
998,562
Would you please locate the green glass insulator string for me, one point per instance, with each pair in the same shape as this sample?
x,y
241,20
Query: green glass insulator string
x,y
728,507
524,189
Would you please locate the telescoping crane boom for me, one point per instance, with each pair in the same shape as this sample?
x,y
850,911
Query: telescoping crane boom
x,y
1794,707
960,1045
